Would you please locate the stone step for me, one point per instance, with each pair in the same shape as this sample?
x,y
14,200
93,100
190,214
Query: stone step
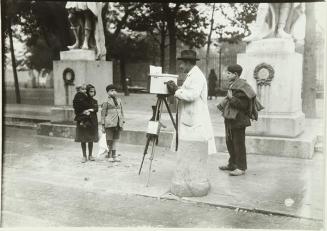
x,y
300,147
21,125
22,122
135,135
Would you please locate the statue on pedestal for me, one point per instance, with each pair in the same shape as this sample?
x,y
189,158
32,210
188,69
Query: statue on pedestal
x,y
86,24
275,20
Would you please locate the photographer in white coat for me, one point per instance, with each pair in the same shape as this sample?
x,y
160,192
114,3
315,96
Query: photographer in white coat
x,y
196,139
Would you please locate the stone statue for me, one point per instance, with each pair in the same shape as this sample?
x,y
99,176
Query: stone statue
x,y
275,20
86,24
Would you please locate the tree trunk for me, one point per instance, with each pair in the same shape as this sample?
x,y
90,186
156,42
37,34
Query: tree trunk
x,y
172,46
13,61
309,64
209,41
171,19
162,48
219,76
123,76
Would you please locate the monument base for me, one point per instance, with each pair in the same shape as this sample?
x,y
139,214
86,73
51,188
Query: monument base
x,y
277,125
80,67
274,70
63,114
302,146
78,54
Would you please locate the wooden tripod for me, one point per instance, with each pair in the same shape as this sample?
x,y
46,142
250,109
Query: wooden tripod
x,y
153,136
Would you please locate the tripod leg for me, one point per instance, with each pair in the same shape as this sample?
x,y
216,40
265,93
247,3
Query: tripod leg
x,y
151,158
145,152
176,147
172,120
169,112
157,111
150,137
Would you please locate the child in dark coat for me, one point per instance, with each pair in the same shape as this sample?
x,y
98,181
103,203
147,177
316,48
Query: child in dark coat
x,y
238,107
80,104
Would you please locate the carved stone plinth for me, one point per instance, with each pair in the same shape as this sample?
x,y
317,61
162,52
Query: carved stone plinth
x,y
78,54
274,70
271,46
62,114
97,73
77,67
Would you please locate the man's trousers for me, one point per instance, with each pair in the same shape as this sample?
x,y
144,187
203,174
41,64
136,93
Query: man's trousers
x,y
235,141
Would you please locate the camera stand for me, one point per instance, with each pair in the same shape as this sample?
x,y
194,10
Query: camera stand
x,y
154,130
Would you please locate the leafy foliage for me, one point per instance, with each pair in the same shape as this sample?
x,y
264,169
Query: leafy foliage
x,y
116,17
237,16
154,18
190,25
44,26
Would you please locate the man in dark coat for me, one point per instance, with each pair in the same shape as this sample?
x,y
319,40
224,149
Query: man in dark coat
x,y
212,84
237,108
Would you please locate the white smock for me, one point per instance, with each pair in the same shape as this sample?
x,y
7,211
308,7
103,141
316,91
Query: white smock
x,y
194,123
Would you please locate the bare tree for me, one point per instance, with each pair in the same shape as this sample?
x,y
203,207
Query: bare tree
x,y
209,39
14,66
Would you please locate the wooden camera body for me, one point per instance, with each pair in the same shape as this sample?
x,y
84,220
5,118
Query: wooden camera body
x,y
158,83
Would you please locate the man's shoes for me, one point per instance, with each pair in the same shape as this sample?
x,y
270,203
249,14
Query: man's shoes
x,y
110,159
237,172
226,168
91,158
84,160
116,159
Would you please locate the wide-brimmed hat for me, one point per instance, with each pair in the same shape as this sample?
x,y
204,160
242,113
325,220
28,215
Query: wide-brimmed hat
x,y
188,55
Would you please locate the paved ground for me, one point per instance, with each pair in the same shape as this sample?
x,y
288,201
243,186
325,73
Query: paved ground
x,y
44,184
45,204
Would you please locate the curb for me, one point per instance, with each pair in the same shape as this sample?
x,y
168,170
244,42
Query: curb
x,y
237,209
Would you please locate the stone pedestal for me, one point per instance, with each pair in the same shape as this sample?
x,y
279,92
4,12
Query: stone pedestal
x,y
85,70
62,114
78,54
97,73
274,70
190,177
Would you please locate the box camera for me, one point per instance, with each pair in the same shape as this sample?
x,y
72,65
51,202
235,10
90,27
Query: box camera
x,y
158,83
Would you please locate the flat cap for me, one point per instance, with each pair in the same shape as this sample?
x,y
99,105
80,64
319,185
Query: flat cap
x,y
110,87
235,68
